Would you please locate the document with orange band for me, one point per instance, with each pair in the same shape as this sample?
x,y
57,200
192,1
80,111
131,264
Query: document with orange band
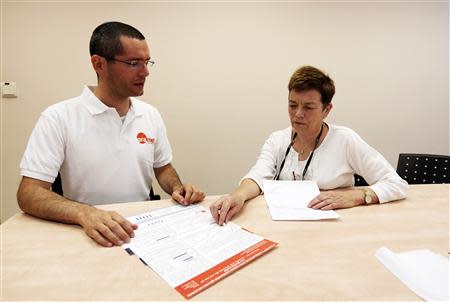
x,y
189,250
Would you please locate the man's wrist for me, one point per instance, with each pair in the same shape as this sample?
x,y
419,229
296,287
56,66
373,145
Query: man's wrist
x,y
82,212
177,187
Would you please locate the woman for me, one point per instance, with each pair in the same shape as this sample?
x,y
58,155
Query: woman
x,y
311,149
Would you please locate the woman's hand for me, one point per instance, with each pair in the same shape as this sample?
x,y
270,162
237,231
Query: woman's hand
x,y
225,208
338,199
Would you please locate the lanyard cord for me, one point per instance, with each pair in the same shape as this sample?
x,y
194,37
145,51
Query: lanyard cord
x,y
277,176
312,153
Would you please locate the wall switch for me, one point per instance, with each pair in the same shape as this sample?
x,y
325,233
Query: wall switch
x,y
9,89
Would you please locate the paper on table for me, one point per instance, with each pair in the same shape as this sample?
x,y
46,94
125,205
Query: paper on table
x,y
301,214
189,250
288,200
424,272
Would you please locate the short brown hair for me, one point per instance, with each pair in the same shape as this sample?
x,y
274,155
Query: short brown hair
x,y
105,40
308,77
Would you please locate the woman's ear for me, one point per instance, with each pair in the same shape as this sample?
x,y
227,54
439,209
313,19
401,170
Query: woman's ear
x,y
328,108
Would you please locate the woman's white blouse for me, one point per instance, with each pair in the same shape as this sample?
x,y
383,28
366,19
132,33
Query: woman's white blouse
x,y
342,154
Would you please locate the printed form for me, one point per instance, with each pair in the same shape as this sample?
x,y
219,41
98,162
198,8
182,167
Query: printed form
x,y
189,250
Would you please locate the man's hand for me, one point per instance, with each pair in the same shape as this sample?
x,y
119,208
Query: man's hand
x,y
337,199
107,228
187,194
225,207
169,181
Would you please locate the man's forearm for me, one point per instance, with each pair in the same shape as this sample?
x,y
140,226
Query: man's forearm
x,y
167,178
107,228
38,201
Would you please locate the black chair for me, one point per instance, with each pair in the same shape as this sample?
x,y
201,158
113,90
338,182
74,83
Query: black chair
x,y
424,168
360,181
57,188
154,196
57,185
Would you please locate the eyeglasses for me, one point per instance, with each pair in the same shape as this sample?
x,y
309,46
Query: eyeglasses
x,y
135,64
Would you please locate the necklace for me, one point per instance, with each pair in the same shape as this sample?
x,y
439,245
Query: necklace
x,y
303,150
308,144
294,135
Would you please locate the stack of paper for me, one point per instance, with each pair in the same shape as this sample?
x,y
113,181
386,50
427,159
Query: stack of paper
x,y
288,200
424,272
189,250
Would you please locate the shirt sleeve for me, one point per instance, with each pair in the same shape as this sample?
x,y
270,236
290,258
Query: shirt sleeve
x,y
163,151
44,153
265,167
375,169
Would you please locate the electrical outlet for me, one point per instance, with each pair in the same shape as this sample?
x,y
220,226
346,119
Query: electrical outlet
x,y
9,89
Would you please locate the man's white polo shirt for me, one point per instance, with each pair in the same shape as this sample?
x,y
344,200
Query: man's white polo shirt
x,y
101,159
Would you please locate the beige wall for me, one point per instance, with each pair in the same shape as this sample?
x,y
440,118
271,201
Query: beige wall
x,y
222,70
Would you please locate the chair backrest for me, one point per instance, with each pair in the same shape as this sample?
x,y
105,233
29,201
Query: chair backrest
x,y
57,185
57,188
424,168
154,196
359,181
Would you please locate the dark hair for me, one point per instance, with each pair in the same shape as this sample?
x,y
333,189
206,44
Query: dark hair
x,y
308,77
105,39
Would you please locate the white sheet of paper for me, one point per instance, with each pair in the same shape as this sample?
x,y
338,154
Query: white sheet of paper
x,y
181,242
288,200
301,214
424,272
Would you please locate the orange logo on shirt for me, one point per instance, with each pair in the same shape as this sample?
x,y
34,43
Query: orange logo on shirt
x,y
143,139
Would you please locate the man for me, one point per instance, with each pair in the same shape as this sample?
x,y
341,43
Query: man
x,y
106,145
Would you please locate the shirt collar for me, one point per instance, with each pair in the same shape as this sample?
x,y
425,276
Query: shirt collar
x,y
95,106
136,107
92,103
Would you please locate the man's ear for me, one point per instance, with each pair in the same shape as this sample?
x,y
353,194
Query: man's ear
x,y
98,63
